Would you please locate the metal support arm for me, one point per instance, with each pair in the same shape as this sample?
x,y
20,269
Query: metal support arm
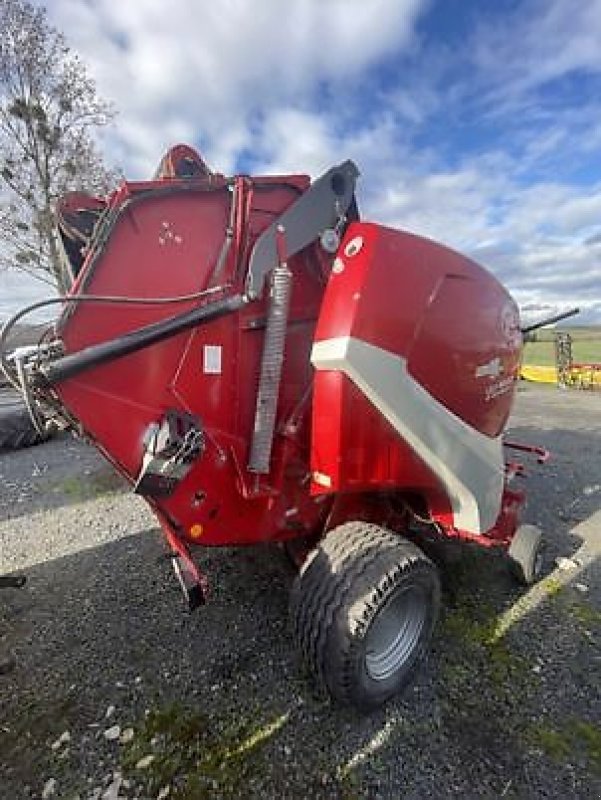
x,y
319,208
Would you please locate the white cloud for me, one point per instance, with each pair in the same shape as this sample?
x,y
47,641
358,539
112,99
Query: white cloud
x,y
210,68
536,43
290,87
17,291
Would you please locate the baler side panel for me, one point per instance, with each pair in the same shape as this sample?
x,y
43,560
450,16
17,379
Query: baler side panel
x,y
478,380
455,324
169,245
237,507
158,244
374,307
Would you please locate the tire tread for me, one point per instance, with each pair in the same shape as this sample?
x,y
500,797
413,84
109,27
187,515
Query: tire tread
x,y
16,429
355,560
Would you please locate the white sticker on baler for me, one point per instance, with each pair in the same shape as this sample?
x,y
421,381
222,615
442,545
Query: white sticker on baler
x,y
212,359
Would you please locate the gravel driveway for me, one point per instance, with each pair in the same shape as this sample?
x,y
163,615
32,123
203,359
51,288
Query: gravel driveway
x,y
118,692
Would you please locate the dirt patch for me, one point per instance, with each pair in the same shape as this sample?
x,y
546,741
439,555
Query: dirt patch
x,y
504,707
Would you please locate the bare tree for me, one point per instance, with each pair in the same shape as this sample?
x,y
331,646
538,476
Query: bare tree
x,y
49,113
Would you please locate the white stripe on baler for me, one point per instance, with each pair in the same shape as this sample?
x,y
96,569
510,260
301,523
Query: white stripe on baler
x,y
468,463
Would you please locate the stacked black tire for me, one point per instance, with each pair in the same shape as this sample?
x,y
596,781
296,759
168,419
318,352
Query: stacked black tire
x,y
16,427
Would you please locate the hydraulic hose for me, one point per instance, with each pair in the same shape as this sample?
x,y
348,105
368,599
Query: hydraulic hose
x,y
75,299
71,365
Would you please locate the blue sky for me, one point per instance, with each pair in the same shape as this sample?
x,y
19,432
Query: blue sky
x,y
475,123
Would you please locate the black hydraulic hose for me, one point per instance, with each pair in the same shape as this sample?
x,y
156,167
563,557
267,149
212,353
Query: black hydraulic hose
x,y
68,366
76,299
550,320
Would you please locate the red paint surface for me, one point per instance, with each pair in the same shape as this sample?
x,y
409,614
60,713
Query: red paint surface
x,y
409,296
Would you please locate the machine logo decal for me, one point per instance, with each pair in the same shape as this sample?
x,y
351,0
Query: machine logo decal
x,y
497,388
492,369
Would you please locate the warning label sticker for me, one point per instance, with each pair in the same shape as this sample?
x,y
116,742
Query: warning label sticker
x,y
211,359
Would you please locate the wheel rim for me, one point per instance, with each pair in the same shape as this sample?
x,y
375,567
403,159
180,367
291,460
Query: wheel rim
x,y
395,633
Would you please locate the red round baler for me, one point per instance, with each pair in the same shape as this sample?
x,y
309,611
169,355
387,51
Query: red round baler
x,y
264,366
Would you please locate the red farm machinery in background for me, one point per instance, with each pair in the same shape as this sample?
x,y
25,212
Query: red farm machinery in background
x,y
264,366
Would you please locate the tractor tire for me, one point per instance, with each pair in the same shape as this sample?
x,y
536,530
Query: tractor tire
x,y
525,554
363,608
16,428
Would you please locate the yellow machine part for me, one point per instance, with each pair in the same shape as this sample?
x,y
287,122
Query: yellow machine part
x,y
582,377
538,374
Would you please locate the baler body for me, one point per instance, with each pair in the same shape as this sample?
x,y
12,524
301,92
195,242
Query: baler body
x,y
169,243
399,365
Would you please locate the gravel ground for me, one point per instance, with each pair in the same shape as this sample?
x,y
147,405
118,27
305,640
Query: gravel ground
x,y
117,692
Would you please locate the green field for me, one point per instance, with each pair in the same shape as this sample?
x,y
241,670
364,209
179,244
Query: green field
x,y
586,346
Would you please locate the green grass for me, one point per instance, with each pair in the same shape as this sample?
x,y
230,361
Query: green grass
x,y
586,346
197,757
90,486
586,614
574,739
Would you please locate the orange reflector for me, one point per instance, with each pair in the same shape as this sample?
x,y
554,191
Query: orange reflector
x,y
196,531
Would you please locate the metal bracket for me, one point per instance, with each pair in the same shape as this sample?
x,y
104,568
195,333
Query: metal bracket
x,y
319,208
542,454
171,447
193,583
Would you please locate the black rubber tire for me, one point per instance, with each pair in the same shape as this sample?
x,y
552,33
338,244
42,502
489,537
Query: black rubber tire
x,y
357,572
16,428
525,554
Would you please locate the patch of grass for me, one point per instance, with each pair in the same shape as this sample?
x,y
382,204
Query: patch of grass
x,y
552,742
483,685
575,740
586,347
583,612
90,486
586,614
349,785
198,757
552,586
476,631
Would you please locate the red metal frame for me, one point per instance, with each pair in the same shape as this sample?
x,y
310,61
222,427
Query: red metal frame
x,y
541,453
512,502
